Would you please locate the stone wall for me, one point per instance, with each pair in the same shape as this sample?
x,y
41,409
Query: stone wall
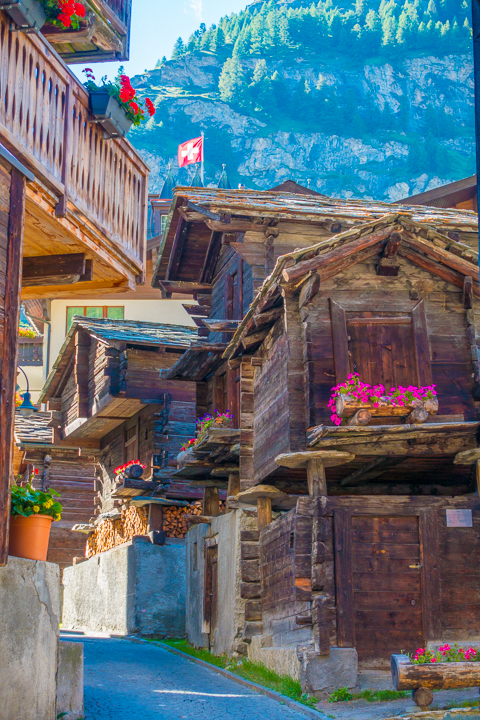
x,y
134,588
29,619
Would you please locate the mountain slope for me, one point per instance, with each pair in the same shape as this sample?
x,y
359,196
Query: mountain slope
x,y
370,100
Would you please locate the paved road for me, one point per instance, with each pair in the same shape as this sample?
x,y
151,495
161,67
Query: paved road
x,y
130,681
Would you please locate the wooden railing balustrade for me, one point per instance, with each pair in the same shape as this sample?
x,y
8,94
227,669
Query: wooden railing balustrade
x,y
30,351
45,122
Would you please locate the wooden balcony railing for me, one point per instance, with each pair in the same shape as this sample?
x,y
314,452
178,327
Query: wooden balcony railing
x,y
30,351
45,122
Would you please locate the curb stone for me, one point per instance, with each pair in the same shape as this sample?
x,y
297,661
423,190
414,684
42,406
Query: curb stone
x,y
273,694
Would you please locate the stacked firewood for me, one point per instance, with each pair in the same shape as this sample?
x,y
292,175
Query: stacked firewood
x,y
174,522
110,533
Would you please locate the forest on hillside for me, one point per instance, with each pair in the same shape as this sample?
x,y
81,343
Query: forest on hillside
x,y
361,28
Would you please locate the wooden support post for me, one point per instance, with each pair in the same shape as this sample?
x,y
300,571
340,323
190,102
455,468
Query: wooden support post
x,y
264,512
233,484
477,475
316,478
211,502
155,524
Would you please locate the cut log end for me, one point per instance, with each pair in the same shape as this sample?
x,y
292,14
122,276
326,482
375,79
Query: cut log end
x,y
423,697
361,417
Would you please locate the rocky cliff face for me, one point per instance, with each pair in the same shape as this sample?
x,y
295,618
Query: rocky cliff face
x,y
387,160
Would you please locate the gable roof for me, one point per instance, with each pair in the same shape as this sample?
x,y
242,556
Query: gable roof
x,y
204,208
291,186
117,333
421,244
445,196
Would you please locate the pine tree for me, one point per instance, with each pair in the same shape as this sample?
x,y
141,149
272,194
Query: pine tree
x,y
232,84
178,49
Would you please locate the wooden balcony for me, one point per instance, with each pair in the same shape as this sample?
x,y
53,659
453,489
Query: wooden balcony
x,y
90,193
30,351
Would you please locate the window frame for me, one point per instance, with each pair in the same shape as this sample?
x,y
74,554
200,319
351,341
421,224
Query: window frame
x,y
105,309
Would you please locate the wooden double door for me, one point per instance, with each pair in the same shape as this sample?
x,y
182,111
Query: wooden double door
x,y
387,585
385,577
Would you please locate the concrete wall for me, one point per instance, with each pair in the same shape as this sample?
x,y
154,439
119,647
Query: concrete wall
x,y
29,618
70,680
134,588
225,529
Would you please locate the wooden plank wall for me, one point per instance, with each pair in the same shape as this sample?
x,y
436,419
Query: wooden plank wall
x,y
285,564
360,289
271,434
227,261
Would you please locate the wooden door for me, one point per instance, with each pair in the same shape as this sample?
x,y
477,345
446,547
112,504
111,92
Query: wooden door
x,y
387,589
211,590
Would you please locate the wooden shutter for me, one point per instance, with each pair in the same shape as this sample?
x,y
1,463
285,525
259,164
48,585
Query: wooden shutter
x,y
422,347
340,342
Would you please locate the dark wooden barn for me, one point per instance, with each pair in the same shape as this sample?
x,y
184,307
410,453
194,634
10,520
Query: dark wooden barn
x,y
364,556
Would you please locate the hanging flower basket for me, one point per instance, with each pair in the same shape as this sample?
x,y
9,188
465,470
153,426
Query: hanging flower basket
x,y
115,105
33,512
31,15
26,14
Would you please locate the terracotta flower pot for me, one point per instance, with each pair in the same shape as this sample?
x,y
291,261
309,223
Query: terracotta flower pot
x,y
29,536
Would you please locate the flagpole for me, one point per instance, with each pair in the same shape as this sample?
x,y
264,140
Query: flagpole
x,y
203,153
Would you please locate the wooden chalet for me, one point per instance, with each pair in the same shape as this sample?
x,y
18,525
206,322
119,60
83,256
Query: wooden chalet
x,y
109,395
364,528
461,194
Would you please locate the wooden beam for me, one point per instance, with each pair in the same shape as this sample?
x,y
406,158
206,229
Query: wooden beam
x,y
227,326
342,252
8,367
388,265
186,287
51,266
309,290
211,257
177,249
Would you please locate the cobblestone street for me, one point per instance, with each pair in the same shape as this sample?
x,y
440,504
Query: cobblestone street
x,y
130,681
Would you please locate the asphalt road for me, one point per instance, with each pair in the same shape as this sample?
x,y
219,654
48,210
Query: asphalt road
x,y
130,681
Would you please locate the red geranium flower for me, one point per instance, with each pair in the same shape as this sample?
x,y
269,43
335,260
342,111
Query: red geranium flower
x,y
150,107
65,20
67,8
79,10
134,107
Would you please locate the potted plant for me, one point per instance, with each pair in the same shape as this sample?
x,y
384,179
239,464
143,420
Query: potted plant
x,y
133,469
32,514
115,105
33,14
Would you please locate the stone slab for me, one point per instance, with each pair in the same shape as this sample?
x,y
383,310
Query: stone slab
x,y
70,680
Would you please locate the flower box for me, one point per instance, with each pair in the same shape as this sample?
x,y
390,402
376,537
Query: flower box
x,y
59,36
109,113
346,405
27,14
435,676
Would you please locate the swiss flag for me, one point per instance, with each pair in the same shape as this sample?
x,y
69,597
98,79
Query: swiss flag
x,y
190,152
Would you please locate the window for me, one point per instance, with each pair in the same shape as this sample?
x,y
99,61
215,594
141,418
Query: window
x,y
388,347
113,312
163,223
